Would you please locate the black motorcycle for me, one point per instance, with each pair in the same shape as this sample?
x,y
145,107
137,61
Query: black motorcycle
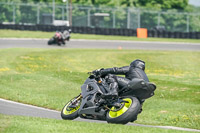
x,y
60,37
92,103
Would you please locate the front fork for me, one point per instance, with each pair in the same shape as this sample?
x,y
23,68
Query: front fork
x,y
74,102
79,97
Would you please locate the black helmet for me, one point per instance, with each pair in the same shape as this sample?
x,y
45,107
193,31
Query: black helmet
x,y
138,64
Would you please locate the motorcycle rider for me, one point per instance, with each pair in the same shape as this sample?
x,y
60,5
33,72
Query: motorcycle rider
x,y
62,36
59,37
135,70
66,35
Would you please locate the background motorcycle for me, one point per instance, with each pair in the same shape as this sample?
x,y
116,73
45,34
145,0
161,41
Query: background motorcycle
x,y
60,38
93,104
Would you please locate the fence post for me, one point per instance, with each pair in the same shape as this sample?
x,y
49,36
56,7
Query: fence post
x,y
62,13
14,13
128,18
188,23
114,19
70,12
38,14
88,19
139,25
53,13
67,12
158,18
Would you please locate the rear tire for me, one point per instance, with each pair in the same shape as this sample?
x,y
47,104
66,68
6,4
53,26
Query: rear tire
x,y
68,113
126,114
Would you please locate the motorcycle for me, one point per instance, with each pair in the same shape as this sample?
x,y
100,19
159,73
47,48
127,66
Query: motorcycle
x,y
60,38
92,103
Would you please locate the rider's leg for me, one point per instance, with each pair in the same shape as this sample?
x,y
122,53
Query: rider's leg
x,y
115,83
112,86
122,82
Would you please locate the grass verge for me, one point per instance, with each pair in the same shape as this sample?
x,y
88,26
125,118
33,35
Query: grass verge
x,y
20,124
49,78
39,34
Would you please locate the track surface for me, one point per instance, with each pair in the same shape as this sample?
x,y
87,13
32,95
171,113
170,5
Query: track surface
x,y
85,44
14,108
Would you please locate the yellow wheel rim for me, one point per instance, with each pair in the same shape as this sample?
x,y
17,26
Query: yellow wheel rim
x,y
114,114
66,112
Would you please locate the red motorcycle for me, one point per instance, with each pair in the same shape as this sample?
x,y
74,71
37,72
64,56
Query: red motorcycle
x,y
60,37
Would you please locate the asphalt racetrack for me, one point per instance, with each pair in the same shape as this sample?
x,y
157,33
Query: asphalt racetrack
x,y
14,108
100,44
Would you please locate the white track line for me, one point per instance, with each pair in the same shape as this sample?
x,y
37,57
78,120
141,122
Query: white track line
x,y
27,105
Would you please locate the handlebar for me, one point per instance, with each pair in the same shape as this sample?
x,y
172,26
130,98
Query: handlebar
x,y
89,73
93,75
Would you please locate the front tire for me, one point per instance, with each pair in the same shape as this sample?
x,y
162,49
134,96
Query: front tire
x,y
51,41
70,110
125,114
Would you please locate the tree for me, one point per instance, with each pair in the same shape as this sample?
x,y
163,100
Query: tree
x,y
164,4
100,2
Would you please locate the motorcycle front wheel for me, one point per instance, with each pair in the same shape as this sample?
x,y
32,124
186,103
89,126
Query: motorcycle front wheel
x,y
70,110
126,113
51,41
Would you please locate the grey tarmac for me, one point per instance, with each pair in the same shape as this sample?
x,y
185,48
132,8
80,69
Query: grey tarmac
x,y
14,108
98,44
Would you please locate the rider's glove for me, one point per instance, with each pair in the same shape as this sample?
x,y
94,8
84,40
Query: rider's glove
x,y
97,72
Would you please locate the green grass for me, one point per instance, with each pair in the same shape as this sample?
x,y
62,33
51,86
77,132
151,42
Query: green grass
x,y
39,34
49,78
20,124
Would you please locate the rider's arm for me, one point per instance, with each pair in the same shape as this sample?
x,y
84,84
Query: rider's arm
x,y
115,70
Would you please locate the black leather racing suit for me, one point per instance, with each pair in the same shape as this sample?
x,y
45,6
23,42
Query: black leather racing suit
x,y
135,70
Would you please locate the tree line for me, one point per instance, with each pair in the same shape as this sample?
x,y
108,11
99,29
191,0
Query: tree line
x,y
172,22
158,4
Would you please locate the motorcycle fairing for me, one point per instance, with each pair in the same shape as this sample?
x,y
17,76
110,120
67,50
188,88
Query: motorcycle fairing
x,y
89,91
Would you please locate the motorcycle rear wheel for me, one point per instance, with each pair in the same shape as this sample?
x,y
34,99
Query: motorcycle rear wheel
x,y
68,113
126,113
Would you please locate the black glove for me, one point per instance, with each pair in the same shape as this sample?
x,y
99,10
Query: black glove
x,y
97,72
